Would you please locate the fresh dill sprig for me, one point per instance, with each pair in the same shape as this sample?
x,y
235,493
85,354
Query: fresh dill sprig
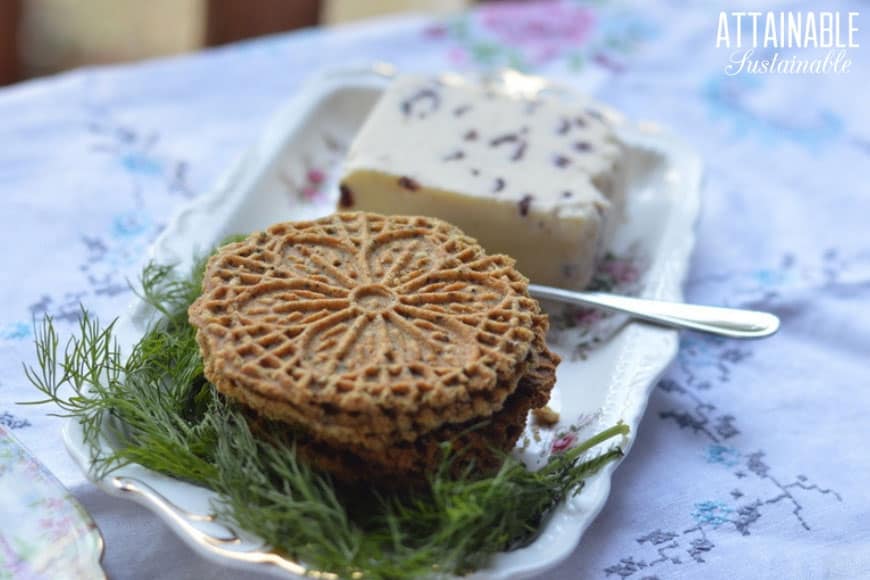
x,y
160,412
142,400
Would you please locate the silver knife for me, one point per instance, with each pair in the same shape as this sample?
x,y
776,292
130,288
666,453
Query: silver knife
x,y
730,322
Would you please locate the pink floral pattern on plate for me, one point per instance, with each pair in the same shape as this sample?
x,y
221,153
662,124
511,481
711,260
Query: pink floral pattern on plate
x,y
568,436
581,329
44,532
310,180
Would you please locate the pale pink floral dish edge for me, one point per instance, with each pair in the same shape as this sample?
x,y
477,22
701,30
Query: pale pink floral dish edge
x,y
46,533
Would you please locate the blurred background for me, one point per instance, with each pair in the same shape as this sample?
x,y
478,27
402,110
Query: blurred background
x,y
40,37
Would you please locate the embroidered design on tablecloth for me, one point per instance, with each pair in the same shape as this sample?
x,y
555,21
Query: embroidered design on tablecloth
x,y
525,36
765,286
736,512
15,331
705,362
119,248
111,254
730,98
10,421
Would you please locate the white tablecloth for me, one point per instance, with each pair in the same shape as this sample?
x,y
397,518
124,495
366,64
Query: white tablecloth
x,y
751,460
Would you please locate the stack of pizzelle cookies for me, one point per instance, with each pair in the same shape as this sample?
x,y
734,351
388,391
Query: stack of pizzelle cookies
x,y
374,340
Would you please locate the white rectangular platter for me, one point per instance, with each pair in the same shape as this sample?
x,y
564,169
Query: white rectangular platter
x,y
609,366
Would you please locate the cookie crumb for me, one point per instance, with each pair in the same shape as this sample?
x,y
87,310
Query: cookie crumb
x,y
545,416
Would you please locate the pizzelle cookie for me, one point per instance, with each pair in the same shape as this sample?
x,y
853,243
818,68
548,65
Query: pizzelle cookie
x,y
478,442
367,332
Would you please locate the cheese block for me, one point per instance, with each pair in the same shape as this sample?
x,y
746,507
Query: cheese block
x,y
533,177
